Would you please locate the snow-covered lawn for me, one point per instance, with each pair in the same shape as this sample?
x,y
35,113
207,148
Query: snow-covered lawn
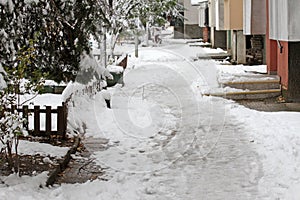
x,y
166,141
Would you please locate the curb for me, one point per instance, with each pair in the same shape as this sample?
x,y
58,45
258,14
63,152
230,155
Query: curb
x,y
63,164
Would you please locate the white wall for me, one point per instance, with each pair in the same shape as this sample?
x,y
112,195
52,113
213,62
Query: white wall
x,y
284,20
247,17
254,17
219,14
202,15
212,13
190,13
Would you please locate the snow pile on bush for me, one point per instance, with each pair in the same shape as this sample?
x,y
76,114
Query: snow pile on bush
x,y
84,96
2,81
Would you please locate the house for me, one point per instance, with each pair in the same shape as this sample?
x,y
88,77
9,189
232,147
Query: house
x,y
203,17
254,27
283,44
233,23
188,28
218,35
223,19
209,20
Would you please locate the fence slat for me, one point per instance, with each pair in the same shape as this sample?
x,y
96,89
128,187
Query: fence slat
x,y
65,118
37,120
25,115
60,120
61,111
48,120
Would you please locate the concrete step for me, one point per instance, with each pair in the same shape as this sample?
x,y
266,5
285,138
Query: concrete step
x,y
215,56
248,94
193,41
254,85
200,45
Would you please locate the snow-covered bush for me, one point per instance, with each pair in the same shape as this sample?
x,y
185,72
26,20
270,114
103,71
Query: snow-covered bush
x,y
11,128
90,80
11,121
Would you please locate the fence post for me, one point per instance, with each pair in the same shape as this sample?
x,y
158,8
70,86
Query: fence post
x,y
25,116
65,111
60,120
48,121
13,108
37,120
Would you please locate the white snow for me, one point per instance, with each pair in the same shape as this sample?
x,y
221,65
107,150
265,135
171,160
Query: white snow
x,y
43,100
276,140
115,69
43,149
53,83
213,51
2,81
166,141
240,73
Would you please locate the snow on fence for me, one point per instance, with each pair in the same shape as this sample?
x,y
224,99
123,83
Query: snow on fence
x,y
46,121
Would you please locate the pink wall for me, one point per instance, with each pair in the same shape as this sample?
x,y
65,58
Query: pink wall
x,y
277,60
283,63
271,48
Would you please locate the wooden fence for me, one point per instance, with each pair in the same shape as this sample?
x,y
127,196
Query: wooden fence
x,y
61,120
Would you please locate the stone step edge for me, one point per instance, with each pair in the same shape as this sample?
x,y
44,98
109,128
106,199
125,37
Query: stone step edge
x,y
252,82
213,55
245,92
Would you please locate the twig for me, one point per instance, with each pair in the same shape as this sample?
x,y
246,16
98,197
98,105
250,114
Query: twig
x,y
81,168
29,99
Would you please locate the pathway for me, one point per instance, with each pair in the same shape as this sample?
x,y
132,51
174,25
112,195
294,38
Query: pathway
x,y
168,143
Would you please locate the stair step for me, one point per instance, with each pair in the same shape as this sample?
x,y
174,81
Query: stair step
x,y
255,85
215,56
200,45
252,94
193,41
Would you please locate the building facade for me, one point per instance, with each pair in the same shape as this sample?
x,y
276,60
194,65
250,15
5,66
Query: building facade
x,y
191,21
233,22
283,44
254,27
208,20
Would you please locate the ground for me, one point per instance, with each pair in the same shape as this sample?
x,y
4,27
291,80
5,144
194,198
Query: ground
x,y
163,140
36,163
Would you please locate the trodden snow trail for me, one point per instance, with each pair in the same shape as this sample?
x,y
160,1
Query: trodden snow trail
x,y
171,143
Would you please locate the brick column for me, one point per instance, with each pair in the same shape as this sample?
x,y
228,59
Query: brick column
x,y
206,34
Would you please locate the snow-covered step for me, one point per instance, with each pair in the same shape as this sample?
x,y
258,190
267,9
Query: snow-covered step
x,y
215,56
248,94
254,85
193,41
200,44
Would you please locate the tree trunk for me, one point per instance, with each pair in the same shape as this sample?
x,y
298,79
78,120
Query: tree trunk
x,y
111,46
17,158
113,42
103,56
9,156
147,34
136,42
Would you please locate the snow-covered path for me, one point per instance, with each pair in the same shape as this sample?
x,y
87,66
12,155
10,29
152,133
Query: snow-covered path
x,y
167,142
176,144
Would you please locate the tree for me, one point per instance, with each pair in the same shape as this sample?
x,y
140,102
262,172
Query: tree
x,y
12,123
60,28
116,15
121,15
155,11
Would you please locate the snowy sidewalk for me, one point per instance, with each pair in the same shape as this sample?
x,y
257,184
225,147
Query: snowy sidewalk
x,y
166,142
163,140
